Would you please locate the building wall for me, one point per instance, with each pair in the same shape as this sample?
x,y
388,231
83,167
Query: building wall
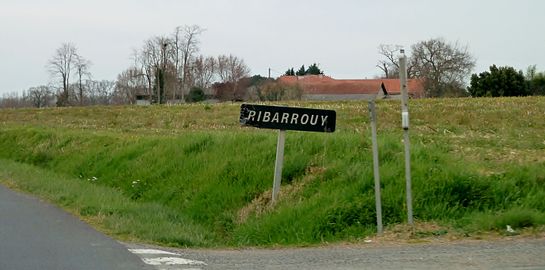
x,y
142,102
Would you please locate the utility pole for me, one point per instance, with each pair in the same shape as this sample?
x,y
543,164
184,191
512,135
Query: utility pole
x,y
269,73
405,125
162,79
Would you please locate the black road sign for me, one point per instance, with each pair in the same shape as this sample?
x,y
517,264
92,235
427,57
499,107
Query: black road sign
x,y
287,118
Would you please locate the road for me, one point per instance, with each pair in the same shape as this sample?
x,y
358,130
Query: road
x,y
503,254
37,235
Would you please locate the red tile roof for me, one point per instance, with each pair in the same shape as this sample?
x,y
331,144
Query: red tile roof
x,y
321,84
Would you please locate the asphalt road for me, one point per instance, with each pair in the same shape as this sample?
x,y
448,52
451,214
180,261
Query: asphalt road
x,y
503,254
37,235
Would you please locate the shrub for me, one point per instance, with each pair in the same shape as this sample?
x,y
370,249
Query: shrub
x,y
196,94
276,91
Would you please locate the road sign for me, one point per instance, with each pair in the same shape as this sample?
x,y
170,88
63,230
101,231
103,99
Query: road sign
x,y
287,118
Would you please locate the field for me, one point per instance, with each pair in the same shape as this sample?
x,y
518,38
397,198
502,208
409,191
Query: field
x,y
189,175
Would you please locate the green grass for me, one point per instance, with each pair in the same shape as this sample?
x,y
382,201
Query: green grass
x,y
107,208
191,176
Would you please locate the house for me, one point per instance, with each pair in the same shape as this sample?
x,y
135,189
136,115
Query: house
x,y
143,99
321,87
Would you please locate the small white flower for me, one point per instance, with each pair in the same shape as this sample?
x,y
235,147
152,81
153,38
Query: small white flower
x,y
135,183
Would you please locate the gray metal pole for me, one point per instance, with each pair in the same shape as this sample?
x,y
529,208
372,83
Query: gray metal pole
x,y
405,125
278,165
378,202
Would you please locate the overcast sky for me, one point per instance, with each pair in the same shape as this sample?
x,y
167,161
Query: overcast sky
x,y
342,36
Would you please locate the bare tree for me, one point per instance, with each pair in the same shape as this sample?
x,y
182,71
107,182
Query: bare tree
x,y
143,70
129,84
155,62
100,92
166,62
203,70
61,66
39,96
185,46
230,70
444,66
148,60
13,100
82,66
389,65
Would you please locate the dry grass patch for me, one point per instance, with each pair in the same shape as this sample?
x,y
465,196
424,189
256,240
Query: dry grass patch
x,y
288,193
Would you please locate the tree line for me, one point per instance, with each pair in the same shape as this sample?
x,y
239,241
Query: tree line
x,y
169,68
507,81
165,68
96,92
311,70
445,67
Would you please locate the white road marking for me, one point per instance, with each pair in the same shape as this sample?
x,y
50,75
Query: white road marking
x,y
150,256
151,251
171,261
168,267
180,269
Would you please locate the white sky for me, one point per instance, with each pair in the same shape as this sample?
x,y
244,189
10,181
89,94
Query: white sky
x,y
342,36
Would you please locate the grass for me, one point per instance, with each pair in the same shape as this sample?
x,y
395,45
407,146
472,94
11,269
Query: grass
x,y
107,208
189,175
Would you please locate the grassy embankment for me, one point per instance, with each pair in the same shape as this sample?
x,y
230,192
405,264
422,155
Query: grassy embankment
x,y
191,176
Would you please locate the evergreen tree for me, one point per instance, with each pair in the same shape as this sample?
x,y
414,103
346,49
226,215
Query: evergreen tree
x,y
196,94
499,82
289,72
313,70
302,71
537,84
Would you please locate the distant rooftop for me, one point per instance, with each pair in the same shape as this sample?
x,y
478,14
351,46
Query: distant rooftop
x,y
325,85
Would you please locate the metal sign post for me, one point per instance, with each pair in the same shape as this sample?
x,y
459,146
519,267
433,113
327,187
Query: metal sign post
x,y
378,203
278,164
285,118
405,125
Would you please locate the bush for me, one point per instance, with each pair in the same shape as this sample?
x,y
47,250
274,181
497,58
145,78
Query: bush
x,y
196,94
277,91
499,82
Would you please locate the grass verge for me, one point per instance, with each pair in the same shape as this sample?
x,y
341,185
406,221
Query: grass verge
x,y
193,181
106,208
